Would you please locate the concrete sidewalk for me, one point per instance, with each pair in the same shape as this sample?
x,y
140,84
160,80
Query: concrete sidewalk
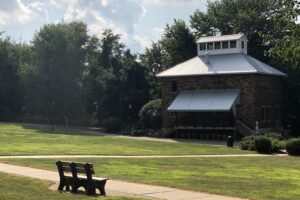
x,y
148,156
120,188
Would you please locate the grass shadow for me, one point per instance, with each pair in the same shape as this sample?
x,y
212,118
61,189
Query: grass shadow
x,y
48,129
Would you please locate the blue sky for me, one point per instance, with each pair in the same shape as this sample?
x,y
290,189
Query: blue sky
x,y
139,21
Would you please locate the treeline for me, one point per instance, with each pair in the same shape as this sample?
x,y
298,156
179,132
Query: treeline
x,y
69,77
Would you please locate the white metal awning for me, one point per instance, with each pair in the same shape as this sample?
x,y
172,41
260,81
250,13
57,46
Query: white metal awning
x,y
205,101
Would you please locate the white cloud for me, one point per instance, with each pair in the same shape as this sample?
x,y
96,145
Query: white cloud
x,y
55,3
15,11
138,21
104,3
141,41
121,16
158,32
173,2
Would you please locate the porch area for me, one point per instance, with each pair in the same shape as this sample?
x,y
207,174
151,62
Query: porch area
x,y
205,114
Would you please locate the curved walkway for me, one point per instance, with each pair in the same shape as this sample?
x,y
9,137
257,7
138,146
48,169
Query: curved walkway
x,y
149,156
121,188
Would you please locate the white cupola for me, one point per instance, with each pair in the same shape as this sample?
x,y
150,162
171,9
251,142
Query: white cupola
x,y
223,44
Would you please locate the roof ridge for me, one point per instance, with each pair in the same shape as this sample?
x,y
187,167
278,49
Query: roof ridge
x,y
252,61
221,35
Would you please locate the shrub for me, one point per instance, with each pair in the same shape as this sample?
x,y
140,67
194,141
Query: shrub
x,y
150,114
293,146
263,144
274,136
247,143
277,145
112,124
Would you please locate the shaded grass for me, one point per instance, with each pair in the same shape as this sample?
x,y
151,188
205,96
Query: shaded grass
x,y
17,187
269,178
18,140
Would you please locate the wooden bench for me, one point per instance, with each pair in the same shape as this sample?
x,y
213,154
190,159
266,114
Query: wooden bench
x,y
82,176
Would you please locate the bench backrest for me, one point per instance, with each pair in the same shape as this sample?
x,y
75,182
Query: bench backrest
x,y
62,167
82,168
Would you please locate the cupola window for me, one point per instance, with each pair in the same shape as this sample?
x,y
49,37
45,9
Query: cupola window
x,y
210,46
225,45
202,46
217,45
233,44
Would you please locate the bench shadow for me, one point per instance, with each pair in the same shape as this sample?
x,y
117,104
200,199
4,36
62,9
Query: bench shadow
x,y
81,190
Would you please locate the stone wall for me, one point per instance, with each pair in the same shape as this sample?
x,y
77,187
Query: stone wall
x,y
256,90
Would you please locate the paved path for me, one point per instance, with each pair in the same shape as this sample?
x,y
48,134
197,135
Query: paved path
x,y
121,188
149,156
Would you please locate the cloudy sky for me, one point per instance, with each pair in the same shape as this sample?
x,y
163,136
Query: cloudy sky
x,y
139,21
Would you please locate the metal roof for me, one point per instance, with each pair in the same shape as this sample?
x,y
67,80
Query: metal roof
x,y
205,100
220,38
220,64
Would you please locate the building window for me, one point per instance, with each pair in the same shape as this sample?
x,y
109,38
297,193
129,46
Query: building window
x,y
210,46
233,44
243,44
225,45
217,45
202,46
174,87
266,113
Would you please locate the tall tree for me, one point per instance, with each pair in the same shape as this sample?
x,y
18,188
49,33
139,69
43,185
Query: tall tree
x,y
178,42
10,88
154,61
116,81
233,16
60,58
285,54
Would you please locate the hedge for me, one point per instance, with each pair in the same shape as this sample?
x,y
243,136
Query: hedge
x,y
293,146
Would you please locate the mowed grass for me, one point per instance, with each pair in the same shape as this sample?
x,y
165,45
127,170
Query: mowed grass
x,y
267,178
18,140
17,187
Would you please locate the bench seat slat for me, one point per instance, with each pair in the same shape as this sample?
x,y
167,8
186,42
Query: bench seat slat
x,y
100,179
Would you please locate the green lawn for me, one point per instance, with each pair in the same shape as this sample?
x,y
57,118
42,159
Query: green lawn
x,y
17,187
19,140
269,178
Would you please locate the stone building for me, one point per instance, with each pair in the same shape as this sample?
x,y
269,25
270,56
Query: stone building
x,y
222,89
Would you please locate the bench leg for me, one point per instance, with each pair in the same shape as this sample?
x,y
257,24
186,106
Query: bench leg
x,y
75,187
67,187
102,188
90,191
102,191
61,186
